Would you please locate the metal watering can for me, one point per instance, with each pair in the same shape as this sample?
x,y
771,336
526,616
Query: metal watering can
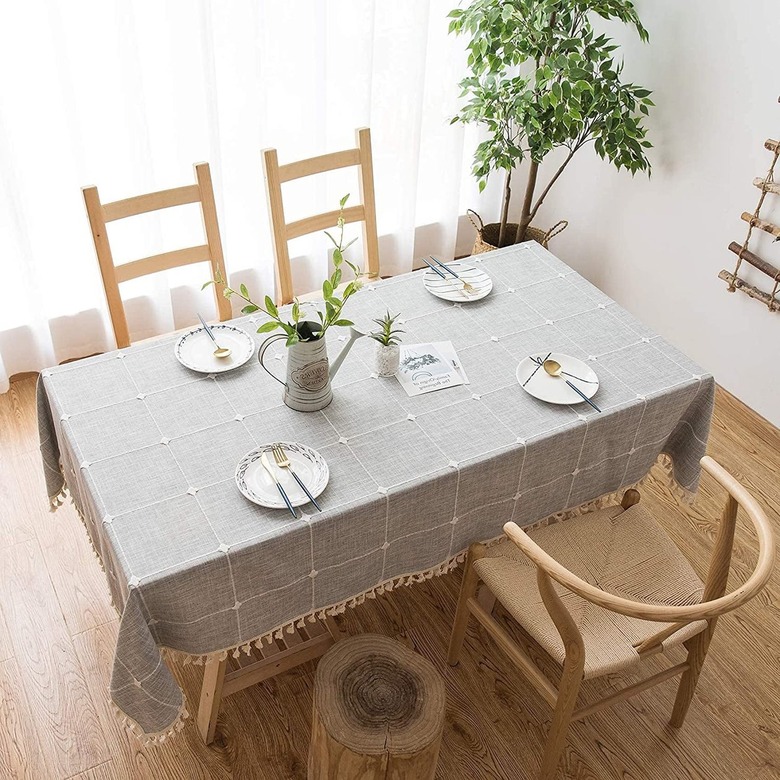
x,y
309,372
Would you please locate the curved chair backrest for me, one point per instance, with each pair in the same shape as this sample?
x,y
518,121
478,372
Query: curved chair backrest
x,y
715,601
99,214
283,231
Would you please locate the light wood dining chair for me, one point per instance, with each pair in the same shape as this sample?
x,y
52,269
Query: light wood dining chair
x,y
283,231
113,275
582,591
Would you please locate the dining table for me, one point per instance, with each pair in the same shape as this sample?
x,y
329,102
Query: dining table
x,y
147,451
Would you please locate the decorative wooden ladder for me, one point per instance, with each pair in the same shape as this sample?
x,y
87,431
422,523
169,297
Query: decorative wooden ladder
x,y
766,185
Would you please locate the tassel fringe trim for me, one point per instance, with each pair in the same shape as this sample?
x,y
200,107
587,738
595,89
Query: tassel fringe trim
x,y
153,738
321,613
662,472
56,501
387,586
61,499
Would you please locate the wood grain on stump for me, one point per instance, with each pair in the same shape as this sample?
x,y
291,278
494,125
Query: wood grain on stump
x,y
378,712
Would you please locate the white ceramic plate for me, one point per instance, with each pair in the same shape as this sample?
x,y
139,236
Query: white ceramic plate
x,y
552,389
195,349
450,289
256,484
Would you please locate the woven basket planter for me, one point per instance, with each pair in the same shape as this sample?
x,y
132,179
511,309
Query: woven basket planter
x,y
487,235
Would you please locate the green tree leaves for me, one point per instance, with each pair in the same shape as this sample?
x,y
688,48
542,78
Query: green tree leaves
x,y
541,78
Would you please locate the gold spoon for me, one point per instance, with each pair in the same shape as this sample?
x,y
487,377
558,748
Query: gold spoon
x,y
553,368
219,352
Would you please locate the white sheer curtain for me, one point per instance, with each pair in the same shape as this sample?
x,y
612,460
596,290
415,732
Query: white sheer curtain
x,y
127,94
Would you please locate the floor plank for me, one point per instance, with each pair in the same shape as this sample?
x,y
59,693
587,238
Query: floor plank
x,y
95,651
78,580
104,771
61,708
60,622
16,500
6,650
21,757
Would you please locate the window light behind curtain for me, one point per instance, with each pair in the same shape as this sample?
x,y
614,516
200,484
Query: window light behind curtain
x,y
128,94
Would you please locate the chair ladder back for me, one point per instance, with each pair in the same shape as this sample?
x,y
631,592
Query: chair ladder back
x,y
208,211
97,224
370,235
112,275
273,187
283,231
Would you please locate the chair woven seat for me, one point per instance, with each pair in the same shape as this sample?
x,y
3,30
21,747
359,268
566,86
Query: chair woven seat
x,y
624,552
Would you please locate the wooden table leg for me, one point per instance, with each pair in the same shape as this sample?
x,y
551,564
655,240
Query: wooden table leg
x,y
223,678
210,699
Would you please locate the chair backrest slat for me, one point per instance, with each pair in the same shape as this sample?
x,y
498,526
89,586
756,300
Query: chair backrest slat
x,y
112,275
153,201
162,262
322,221
276,175
321,164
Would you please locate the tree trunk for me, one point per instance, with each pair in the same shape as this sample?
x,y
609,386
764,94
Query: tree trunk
x,y
505,208
525,217
378,713
529,211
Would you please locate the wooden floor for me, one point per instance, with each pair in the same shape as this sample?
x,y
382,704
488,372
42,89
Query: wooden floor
x,y
57,633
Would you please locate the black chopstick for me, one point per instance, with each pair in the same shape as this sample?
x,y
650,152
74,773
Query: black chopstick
x,y
283,494
434,268
306,490
582,395
538,366
445,267
207,329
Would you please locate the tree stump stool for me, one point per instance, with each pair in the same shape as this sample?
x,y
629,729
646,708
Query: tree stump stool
x,y
378,712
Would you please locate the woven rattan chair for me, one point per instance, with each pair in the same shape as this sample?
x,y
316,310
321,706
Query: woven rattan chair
x,y
283,231
601,592
211,252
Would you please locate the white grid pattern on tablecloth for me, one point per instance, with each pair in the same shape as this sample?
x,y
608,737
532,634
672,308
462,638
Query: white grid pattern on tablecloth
x,y
414,480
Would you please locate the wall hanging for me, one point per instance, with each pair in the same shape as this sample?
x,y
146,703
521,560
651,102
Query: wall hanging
x,y
768,186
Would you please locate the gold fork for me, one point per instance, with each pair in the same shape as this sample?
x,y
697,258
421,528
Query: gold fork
x,y
469,289
283,462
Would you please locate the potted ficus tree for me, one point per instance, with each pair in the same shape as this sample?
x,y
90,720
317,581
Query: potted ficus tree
x,y
541,79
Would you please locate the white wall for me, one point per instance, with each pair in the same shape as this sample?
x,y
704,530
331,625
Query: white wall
x,y
656,246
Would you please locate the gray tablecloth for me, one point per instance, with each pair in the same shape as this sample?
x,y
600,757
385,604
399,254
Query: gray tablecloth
x,y
148,450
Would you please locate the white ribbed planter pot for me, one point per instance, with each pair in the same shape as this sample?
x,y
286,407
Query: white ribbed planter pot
x,y
386,359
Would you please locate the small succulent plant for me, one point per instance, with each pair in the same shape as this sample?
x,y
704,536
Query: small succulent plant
x,y
388,335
